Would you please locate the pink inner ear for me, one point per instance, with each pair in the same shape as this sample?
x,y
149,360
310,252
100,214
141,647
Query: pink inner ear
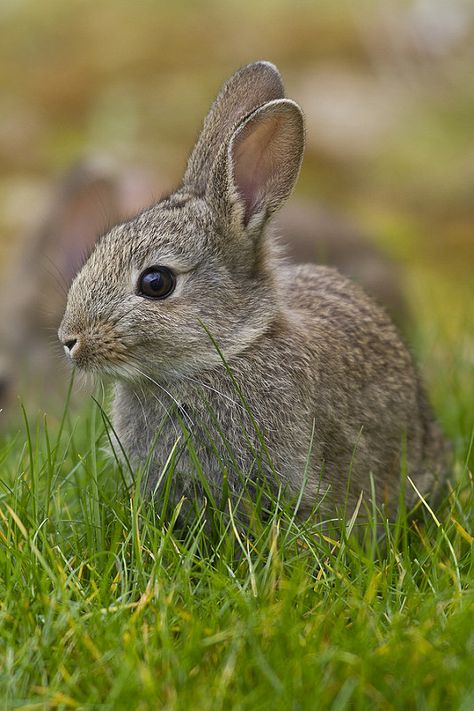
x,y
256,154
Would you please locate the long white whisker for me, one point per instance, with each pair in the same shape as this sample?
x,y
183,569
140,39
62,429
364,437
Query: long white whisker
x,y
158,385
214,390
143,409
160,401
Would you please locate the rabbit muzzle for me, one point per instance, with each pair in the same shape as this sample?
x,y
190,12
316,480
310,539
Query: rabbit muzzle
x,y
95,348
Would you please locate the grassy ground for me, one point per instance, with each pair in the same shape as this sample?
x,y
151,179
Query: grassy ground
x,y
104,605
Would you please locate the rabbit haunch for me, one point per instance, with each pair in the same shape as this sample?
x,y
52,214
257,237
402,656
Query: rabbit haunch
x,y
312,359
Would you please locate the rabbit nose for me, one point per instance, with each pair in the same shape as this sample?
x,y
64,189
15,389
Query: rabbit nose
x,y
69,344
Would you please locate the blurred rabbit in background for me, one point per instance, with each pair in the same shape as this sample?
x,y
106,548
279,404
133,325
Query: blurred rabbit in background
x,y
314,233
91,197
84,203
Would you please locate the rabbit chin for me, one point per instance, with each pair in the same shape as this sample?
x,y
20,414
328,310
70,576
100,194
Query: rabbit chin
x,y
100,362
122,370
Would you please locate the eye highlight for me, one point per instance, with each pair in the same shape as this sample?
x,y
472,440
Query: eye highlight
x,y
156,283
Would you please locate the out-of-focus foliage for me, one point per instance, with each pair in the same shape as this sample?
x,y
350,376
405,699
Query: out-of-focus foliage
x,y
387,89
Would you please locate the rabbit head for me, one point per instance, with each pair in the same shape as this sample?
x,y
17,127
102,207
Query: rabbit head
x,y
199,257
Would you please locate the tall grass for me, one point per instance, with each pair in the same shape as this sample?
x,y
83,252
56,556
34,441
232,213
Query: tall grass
x,y
109,602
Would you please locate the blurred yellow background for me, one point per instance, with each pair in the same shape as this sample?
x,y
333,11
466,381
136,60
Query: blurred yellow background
x,y
387,87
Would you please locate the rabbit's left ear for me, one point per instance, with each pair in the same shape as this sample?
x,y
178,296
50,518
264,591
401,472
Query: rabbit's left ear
x,y
254,173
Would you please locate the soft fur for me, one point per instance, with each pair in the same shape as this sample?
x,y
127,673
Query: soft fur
x,y
311,363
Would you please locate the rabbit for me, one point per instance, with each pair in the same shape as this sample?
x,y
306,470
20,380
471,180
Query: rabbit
x,y
93,192
88,198
91,195
35,285
291,374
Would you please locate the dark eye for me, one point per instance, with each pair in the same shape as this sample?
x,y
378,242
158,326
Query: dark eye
x,y
156,283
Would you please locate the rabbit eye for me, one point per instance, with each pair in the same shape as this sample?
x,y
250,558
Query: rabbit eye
x,y
156,283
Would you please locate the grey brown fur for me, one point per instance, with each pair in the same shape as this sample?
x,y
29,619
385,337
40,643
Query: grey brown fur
x,y
308,350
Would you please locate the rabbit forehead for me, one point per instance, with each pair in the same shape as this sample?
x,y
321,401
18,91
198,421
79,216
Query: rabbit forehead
x,y
160,235
177,237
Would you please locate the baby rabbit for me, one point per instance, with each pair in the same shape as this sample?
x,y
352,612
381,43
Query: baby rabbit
x,y
94,193
227,358
311,232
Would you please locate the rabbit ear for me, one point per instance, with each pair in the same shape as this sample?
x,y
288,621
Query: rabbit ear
x,y
86,205
258,168
247,89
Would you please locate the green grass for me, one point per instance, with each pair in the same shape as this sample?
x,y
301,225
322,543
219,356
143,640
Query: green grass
x,y
105,604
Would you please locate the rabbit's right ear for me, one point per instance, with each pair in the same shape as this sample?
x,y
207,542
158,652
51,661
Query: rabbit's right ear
x,y
255,171
246,90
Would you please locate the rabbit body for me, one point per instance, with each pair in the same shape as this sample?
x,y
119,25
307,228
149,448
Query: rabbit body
x,y
268,369
329,379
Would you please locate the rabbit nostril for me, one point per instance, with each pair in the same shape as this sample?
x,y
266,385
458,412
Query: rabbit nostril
x,y
70,343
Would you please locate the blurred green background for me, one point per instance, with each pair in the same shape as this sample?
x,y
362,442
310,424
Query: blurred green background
x,y
387,88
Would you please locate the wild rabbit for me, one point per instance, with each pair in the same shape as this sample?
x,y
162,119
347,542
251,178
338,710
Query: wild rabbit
x,y
84,202
274,370
306,348
95,193
311,232
87,199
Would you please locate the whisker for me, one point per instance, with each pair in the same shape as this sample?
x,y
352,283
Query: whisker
x,y
168,413
116,321
158,385
57,275
218,392
143,409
